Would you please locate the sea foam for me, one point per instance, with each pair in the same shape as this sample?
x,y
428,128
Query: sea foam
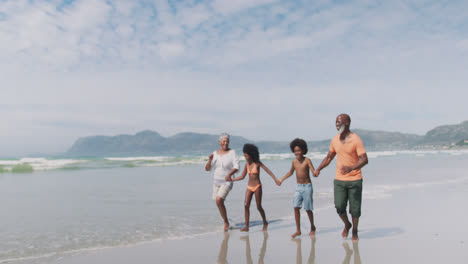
x,y
30,164
36,164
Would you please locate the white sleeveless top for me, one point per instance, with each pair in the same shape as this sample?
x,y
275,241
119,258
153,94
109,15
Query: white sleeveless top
x,y
223,164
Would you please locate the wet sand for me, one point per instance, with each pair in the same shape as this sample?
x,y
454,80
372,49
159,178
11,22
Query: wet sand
x,y
416,225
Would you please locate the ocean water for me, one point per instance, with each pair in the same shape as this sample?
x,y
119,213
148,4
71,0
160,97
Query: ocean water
x,y
55,207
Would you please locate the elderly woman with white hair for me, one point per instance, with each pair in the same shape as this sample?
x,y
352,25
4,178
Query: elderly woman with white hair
x,y
225,163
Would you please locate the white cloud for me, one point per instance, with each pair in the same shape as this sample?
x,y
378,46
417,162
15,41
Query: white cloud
x,y
125,30
228,6
124,7
191,17
170,50
124,66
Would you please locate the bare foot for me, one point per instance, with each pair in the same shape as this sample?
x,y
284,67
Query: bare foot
x,y
265,226
245,229
346,231
298,233
355,237
226,227
312,231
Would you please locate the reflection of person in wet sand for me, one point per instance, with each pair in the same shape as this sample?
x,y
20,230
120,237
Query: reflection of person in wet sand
x,y
299,250
223,250
349,253
248,253
351,157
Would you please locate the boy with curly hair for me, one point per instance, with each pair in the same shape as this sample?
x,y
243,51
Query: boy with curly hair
x,y
304,190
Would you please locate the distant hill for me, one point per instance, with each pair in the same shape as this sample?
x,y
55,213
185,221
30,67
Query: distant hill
x,y
463,142
148,142
447,134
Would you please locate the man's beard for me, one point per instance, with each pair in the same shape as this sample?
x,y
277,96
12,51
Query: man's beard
x,y
341,129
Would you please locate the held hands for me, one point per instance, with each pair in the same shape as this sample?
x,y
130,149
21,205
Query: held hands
x,y
316,173
228,178
278,182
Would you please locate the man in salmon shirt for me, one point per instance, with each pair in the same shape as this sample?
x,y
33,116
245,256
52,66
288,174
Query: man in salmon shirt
x,y
351,157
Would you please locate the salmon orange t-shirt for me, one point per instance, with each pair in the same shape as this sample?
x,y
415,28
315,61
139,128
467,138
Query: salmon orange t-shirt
x,y
347,154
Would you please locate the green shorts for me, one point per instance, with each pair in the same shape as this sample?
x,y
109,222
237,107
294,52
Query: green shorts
x,y
348,191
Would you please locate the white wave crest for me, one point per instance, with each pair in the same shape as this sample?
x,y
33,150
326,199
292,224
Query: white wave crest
x,y
418,153
270,156
376,154
40,163
155,158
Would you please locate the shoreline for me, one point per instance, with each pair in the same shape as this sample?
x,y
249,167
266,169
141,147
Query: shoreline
x,y
386,236
46,164
406,208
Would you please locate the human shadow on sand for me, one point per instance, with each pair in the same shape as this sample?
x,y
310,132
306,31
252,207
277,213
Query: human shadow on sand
x,y
328,230
380,232
366,233
254,223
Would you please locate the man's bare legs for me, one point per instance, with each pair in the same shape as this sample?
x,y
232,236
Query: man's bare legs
x,y
222,211
248,199
348,226
258,199
312,226
297,216
355,229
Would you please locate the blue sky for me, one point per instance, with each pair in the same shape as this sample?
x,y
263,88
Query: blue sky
x,y
264,69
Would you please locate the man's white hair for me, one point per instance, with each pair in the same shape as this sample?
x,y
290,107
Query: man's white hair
x,y
224,135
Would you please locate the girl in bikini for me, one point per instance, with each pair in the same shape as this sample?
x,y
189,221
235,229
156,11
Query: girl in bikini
x,y
252,168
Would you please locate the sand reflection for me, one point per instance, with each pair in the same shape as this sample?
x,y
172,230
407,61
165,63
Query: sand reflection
x,y
311,258
222,256
248,253
349,253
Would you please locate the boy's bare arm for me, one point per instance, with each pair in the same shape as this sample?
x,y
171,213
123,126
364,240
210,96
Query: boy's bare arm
x,y
241,177
311,167
330,156
290,172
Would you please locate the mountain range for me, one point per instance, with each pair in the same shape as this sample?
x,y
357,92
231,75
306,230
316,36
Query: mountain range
x,y
147,143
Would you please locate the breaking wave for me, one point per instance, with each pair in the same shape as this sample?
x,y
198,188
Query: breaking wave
x,y
29,165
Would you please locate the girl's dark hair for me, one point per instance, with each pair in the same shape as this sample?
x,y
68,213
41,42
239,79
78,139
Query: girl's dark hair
x,y
252,151
299,143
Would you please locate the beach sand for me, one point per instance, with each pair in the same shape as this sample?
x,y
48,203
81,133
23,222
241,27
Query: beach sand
x,y
419,224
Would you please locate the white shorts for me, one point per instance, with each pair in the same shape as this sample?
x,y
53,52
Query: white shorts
x,y
221,191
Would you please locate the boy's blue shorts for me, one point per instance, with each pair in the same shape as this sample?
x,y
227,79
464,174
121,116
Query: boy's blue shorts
x,y
304,193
